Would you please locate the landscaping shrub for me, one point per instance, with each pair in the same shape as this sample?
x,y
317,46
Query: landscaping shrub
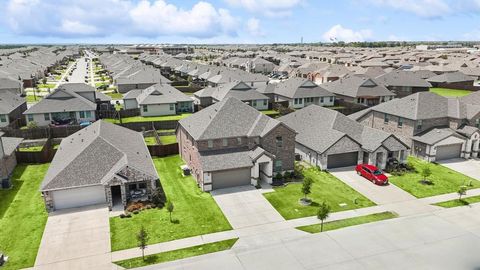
x,y
135,212
158,197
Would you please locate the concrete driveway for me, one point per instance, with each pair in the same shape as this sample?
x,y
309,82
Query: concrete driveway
x,y
469,167
245,207
391,197
76,239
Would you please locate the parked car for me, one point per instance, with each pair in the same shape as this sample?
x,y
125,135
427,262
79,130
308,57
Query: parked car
x,y
372,174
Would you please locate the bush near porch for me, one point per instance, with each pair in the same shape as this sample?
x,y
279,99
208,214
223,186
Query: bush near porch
x,y
22,216
195,211
444,180
325,187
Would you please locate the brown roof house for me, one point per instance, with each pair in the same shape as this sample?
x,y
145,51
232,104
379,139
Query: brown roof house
x,y
231,144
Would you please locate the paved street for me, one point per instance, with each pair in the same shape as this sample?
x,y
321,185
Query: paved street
x,y
447,239
78,75
245,207
76,239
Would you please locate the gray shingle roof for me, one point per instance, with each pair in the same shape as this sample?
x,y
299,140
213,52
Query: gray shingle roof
x,y
161,94
357,86
300,88
227,118
402,78
225,160
451,77
9,102
62,100
435,135
96,153
239,90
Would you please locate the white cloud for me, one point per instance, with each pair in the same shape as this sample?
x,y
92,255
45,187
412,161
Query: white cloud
x,y
339,33
271,8
254,28
422,8
93,18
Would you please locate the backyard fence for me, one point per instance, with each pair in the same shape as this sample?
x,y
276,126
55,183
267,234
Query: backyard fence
x,y
163,150
152,125
42,132
45,155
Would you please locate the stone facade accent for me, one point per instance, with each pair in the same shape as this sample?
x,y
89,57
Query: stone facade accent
x,y
48,199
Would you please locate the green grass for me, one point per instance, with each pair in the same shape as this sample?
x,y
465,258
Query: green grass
x,y
325,187
270,112
178,254
195,211
444,180
135,119
98,84
31,98
22,216
338,224
37,148
115,96
150,140
457,202
446,92
168,139
56,146
47,85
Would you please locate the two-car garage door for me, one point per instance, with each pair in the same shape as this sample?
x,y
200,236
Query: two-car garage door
x,y
342,160
77,197
231,178
448,151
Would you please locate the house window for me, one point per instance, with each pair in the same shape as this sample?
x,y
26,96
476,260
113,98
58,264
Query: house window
x,y
239,141
142,185
145,108
82,114
321,100
30,117
419,124
254,103
385,119
225,142
331,99
265,102
477,123
295,101
88,114
210,143
172,107
400,122
3,118
278,166
279,141
46,116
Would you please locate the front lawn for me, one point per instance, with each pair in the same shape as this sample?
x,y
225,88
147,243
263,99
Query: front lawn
x,y
22,216
195,211
325,187
47,85
342,223
178,254
135,119
457,202
114,95
444,180
446,92
168,139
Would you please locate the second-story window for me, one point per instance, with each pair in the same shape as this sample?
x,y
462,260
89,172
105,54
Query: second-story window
x,y
225,142
210,144
279,141
419,124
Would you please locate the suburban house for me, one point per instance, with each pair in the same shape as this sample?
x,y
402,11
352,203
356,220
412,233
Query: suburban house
x,y
403,83
329,139
100,164
73,102
157,100
139,78
258,65
298,93
329,73
360,90
454,80
435,127
240,90
11,85
230,144
8,159
11,107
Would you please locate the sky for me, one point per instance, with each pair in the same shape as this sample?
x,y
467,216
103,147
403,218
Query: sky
x,y
236,21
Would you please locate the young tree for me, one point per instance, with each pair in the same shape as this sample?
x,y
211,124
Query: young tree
x,y
323,213
426,172
306,186
142,238
44,80
461,191
170,208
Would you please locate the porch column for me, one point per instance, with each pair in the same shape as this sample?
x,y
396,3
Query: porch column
x,y
468,148
475,148
124,195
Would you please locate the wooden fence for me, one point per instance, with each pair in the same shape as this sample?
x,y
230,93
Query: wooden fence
x,y
152,125
45,155
43,132
163,150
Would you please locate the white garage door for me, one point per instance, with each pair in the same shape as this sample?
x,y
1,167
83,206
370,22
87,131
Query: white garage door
x,y
448,151
77,197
